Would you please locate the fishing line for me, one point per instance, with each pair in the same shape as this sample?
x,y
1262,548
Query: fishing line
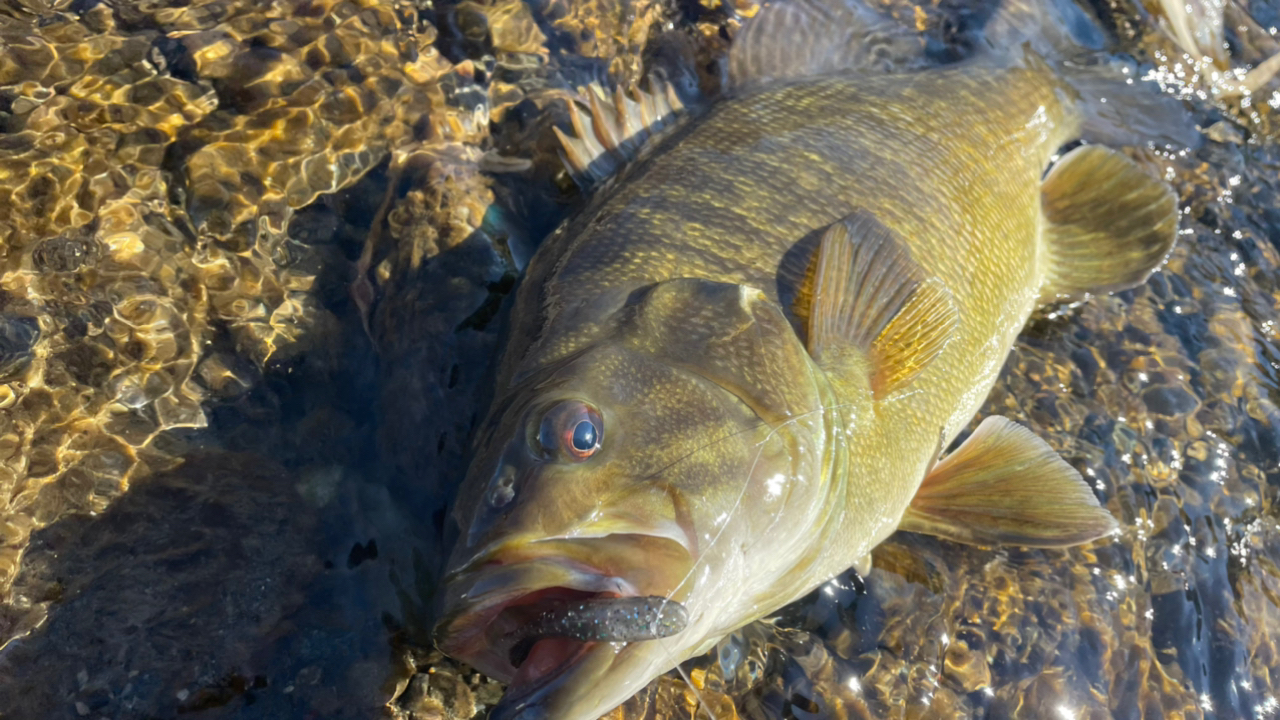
x,y
736,505
702,703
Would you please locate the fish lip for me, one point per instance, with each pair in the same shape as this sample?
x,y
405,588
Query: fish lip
x,y
545,546
476,624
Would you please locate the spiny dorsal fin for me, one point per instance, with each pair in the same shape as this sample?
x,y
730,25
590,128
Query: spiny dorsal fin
x,y
1109,224
869,294
800,38
615,127
1006,486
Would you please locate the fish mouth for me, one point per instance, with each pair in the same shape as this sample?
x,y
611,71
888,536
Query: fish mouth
x,y
494,599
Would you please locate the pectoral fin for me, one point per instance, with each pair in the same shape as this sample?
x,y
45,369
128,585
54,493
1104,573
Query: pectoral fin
x,y
870,296
1006,486
1108,223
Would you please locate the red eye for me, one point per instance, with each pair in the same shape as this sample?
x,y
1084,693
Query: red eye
x,y
572,430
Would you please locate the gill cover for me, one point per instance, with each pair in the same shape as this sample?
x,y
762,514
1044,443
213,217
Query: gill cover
x,y
734,336
687,364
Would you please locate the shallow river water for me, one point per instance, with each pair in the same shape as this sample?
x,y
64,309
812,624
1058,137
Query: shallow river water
x,y
254,258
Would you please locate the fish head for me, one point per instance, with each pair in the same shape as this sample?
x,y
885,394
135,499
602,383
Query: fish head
x,y
654,462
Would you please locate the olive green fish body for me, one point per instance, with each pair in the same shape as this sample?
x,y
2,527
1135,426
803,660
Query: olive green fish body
x,y
732,375
950,159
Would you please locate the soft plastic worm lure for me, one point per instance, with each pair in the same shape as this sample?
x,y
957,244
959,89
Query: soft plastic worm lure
x,y
619,619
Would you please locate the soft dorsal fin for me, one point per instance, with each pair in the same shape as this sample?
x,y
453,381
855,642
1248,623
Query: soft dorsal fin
x,y
800,38
1006,486
1108,225
870,295
616,126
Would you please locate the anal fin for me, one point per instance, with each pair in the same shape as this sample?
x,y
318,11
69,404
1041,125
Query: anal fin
x,y
1109,223
616,126
868,295
1006,486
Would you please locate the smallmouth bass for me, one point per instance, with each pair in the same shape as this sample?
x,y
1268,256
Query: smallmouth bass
x,y
731,377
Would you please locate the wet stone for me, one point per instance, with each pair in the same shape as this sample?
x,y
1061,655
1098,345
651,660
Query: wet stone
x,y
453,695
18,336
63,254
1169,400
188,178
417,701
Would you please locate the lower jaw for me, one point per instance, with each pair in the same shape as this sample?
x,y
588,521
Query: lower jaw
x,y
575,688
602,677
633,565
484,637
548,657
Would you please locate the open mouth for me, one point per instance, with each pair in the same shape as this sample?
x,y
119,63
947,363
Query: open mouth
x,y
517,632
548,635
528,615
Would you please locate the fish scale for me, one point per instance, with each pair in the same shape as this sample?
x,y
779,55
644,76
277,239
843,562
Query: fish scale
x,y
779,316
690,211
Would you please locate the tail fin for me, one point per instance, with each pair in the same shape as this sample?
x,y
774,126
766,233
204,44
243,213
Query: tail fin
x,y
1108,224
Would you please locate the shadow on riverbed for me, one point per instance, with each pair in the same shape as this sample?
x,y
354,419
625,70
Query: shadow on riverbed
x,y
160,279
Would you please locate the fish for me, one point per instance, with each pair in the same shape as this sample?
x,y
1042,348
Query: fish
x,y
733,374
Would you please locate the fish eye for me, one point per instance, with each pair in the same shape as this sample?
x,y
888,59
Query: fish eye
x,y
584,436
571,430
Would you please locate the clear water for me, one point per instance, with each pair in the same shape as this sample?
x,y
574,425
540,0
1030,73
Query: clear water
x,y
225,461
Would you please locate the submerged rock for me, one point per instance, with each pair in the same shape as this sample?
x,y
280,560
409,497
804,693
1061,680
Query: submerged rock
x,y
289,229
